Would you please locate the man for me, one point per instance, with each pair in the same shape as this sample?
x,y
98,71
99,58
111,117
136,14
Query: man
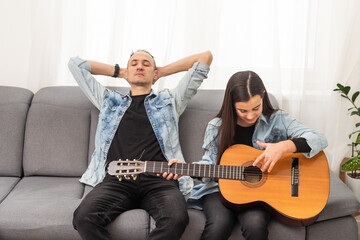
x,y
143,124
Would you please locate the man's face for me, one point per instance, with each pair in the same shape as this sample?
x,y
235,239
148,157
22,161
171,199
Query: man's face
x,y
141,69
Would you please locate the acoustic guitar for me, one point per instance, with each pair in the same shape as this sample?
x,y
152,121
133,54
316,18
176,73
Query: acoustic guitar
x,y
295,191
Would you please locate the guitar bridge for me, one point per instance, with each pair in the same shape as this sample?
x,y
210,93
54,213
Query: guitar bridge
x,y
294,177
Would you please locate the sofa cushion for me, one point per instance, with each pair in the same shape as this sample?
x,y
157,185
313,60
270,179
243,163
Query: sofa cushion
x,y
56,140
277,231
66,96
335,228
132,224
341,201
6,185
41,208
193,121
14,105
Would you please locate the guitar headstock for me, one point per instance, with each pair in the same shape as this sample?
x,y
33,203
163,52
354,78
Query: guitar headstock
x,y
126,168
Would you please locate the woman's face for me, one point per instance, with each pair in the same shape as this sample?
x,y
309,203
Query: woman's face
x,y
248,112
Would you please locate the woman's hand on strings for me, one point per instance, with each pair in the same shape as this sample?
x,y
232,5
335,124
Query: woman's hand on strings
x,y
272,153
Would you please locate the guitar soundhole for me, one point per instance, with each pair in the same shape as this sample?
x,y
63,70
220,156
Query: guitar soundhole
x,y
252,174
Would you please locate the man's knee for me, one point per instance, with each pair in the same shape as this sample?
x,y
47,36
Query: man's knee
x,y
83,219
179,219
78,218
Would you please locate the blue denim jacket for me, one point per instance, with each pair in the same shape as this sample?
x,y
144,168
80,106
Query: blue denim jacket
x,y
275,128
163,109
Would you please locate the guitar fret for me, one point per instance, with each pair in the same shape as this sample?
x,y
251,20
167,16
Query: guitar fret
x,y
209,170
153,167
182,169
204,170
188,171
175,167
161,168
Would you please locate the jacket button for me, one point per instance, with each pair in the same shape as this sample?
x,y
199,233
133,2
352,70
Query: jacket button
x,y
149,111
160,139
153,124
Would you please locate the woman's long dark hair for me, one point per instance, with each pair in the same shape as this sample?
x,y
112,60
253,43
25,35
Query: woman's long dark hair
x,y
240,88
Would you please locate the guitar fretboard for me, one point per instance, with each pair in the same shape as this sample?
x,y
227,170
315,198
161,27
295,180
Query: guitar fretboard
x,y
197,170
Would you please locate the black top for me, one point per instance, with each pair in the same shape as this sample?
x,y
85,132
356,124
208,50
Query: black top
x,y
135,135
243,135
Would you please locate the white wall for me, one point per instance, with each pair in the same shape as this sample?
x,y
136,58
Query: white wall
x,y
15,41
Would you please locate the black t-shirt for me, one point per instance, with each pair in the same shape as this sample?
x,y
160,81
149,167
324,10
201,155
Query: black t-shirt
x,y
135,135
243,135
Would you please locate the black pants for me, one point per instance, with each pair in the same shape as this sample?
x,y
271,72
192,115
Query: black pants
x,y
220,220
161,198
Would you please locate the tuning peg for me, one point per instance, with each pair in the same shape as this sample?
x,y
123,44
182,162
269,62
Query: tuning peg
x,y
134,176
119,177
126,177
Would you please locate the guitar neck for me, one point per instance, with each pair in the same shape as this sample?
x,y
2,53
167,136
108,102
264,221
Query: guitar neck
x,y
196,170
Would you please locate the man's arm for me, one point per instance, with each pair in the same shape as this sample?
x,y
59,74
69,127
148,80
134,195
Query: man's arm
x,y
197,67
185,63
83,72
98,68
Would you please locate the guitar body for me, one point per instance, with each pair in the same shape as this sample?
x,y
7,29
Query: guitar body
x,y
274,190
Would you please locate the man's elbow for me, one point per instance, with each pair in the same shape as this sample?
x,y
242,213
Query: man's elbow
x,y
72,64
206,57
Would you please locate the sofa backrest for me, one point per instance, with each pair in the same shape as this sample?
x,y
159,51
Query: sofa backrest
x,y
61,125
57,133
14,106
192,124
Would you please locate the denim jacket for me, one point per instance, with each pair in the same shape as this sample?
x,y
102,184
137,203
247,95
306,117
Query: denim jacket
x,y
163,109
275,128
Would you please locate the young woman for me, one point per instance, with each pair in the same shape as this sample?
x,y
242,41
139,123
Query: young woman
x,y
247,117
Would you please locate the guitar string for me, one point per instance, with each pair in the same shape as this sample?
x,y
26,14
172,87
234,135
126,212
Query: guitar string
x,y
230,173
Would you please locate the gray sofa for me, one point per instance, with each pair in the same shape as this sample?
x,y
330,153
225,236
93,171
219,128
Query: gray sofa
x,y
46,140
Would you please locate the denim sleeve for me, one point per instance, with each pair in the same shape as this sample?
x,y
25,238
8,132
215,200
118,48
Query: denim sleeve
x,y
81,70
316,141
188,85
210,147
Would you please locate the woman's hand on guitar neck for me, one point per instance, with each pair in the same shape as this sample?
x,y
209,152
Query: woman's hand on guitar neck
x,y
272,153
171,175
